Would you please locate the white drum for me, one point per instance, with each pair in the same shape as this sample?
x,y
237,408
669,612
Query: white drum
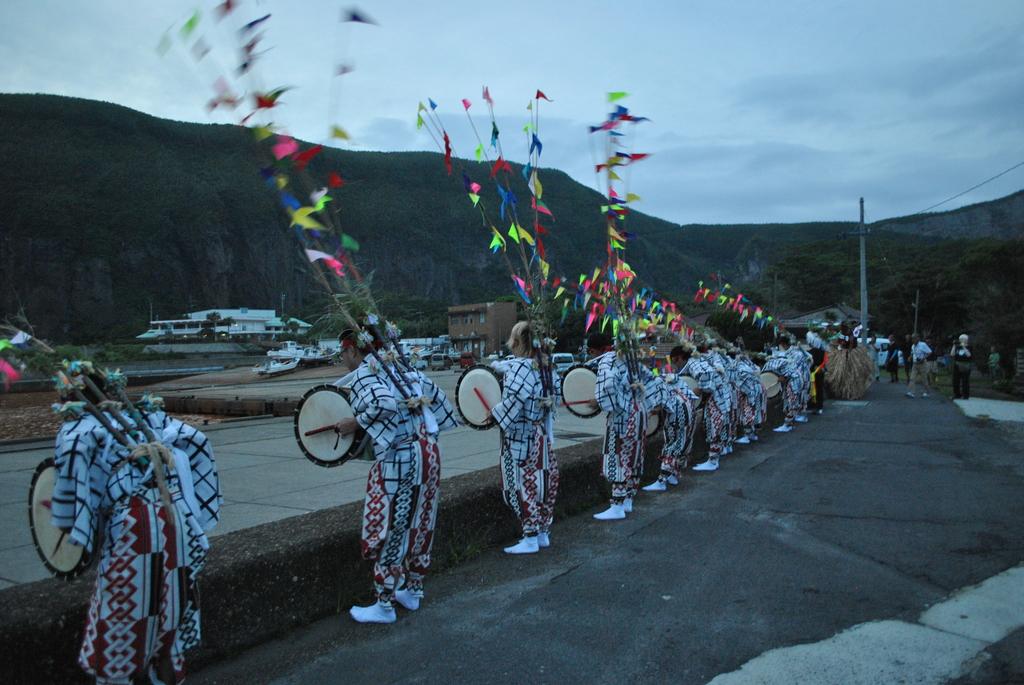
x,y
476,394
771,382
61,558
318,411
579,389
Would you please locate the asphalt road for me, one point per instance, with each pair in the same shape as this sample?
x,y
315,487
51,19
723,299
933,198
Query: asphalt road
x,y
873,511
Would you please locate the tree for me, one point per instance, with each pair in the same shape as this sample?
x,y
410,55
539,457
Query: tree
x,y
727,323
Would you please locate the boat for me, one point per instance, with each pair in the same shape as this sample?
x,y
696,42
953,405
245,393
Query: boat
x,y
308,355
276,367
288,350
312,356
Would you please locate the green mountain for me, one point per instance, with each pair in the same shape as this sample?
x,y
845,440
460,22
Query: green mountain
x,y
105,211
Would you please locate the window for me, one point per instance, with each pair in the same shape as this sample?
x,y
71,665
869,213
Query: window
x,y
483,317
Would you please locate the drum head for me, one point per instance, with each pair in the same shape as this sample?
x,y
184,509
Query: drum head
x,y
477,392
321,407
692,383
771,384
653,423
579,387
62,558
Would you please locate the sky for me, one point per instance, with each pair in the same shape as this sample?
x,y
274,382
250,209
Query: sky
x,y
759,111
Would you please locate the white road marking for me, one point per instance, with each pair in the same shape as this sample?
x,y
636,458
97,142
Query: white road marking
x,y
940,646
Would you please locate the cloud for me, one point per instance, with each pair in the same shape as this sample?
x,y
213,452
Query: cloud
x,y
759,112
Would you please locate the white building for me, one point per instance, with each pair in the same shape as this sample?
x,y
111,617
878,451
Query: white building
x,y
244,322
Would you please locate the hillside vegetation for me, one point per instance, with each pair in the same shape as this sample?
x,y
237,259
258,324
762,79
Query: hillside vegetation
x,y
105,211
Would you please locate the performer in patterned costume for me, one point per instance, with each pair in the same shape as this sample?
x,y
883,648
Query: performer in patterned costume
x,y
819,358
717,358
802,360
724,359
402,416
680,407
144,611
712,382
752,401
790,373
525,415
622,393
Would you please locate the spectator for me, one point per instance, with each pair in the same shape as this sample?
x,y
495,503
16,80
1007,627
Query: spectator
x,y
908,358
892,360
961,354
993,365
933,361
919,352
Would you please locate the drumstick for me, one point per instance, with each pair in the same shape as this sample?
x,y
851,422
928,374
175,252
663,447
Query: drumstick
x,y
323,429
63,534
480,396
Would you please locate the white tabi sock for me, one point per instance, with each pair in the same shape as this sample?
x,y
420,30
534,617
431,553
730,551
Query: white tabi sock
x,y
613,513
627,505
543,540
743,440
656,486
375,613
672,480
408,599
527,545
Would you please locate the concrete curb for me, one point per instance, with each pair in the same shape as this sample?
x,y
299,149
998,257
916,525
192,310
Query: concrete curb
x,y
261,582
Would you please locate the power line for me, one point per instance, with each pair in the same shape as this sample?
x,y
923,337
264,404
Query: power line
x,y
988,180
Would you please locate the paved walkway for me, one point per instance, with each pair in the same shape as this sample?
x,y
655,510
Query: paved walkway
x,y
997,410
843,552
264,477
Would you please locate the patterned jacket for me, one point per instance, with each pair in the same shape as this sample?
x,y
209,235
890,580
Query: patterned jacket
x,y
93,475
383,412
614,393
783,365
748,379
522,408
710,379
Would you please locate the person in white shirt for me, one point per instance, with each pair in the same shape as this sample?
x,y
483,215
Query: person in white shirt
x,y
919,352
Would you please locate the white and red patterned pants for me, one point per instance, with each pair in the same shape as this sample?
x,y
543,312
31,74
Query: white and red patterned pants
x,y
716,428
529,487
399,515
624,446
749,415
791,403
679,429
145,604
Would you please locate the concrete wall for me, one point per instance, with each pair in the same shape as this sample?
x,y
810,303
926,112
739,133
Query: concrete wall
x,y
261,582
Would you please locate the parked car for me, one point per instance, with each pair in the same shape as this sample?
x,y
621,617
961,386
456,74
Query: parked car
x,y
466,360
562,361
440,362
881,350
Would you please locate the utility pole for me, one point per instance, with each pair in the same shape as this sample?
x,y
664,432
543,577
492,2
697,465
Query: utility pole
x,y
775,287
917,308
862,232
282,305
